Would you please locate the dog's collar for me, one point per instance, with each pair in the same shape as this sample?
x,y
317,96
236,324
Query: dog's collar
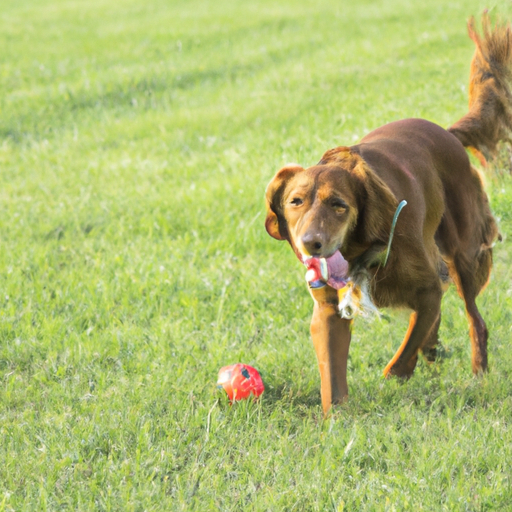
x,y
377,254
399,208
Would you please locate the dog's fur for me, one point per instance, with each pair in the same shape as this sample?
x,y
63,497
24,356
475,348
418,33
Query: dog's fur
x,y
347,201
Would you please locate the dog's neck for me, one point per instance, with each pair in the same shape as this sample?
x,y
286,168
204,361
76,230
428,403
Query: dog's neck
x,y
372,256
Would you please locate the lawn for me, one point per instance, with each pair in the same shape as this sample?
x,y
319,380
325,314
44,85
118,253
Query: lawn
x,y
136,141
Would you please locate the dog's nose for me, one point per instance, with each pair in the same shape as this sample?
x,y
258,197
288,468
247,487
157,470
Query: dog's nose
x,y
313,243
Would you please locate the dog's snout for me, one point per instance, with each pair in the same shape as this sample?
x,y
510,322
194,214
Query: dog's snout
x,y
313,243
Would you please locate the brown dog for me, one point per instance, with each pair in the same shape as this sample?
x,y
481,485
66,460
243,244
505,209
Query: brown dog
x,y
347,203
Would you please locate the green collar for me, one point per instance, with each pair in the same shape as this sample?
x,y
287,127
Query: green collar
x,y
395,218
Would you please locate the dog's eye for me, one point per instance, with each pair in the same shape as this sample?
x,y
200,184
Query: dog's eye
x,y
296,201
339,204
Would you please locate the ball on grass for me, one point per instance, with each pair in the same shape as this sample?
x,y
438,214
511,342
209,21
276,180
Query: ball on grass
x,y
240,381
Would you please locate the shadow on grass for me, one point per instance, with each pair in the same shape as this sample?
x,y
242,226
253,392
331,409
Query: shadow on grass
x,y
291,396
365,394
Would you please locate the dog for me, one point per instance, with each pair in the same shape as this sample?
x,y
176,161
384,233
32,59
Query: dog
x,y
344,213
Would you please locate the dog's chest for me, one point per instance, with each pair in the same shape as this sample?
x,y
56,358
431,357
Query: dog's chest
x,y
386,290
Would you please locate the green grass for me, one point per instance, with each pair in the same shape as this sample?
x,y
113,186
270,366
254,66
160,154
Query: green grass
x,y
136,141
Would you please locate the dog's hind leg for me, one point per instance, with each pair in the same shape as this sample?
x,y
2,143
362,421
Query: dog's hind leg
x,y
478,334
429,347
423,323
470,280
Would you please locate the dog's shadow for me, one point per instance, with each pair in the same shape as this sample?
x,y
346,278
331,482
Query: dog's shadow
x,y
292,396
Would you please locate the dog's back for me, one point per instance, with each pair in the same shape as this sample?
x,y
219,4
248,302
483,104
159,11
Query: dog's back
x,y
430,167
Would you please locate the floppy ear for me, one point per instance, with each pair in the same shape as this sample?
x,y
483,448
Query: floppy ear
x,y
379,206
275,223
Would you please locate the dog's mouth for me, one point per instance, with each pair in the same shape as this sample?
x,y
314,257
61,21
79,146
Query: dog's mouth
x,y
332,271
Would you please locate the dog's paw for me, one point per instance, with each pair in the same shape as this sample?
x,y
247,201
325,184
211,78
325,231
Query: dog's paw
x,y
400,370
430,354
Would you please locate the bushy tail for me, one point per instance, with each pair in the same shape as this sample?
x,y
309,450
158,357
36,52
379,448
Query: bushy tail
x,y
489,119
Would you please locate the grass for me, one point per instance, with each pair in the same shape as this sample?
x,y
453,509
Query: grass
x,y
136,141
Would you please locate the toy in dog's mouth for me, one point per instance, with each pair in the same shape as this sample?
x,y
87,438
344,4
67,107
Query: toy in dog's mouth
x,y
332,271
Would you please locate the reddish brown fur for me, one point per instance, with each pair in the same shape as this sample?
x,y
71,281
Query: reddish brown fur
x,y
489,119
347,201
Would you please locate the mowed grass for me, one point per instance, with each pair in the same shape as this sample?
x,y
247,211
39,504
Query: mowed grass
x,y
136,141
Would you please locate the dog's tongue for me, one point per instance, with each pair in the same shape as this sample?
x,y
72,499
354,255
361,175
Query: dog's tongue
x,y
332,270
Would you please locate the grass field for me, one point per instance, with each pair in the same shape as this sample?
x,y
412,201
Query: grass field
x,y
136,141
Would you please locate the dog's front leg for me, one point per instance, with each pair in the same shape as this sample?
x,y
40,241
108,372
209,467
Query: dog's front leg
x,y
423,324
331,339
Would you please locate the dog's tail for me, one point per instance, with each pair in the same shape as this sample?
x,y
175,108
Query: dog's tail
x,y
489,119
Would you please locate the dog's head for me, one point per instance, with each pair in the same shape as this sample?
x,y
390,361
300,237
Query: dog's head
x,y
319,210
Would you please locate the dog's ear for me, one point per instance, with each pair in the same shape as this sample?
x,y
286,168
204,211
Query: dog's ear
x,y
275,223
378,207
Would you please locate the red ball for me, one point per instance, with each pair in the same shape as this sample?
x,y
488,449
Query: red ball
x,y
240,381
